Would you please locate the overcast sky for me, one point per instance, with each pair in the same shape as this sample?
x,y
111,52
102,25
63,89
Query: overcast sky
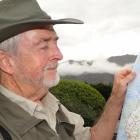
x,y
112,27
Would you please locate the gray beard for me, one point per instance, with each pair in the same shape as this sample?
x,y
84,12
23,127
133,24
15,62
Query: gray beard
x,y
52,83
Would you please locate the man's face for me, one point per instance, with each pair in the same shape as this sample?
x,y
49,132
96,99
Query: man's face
x,y
37,58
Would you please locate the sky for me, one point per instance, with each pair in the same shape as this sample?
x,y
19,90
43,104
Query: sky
x,y
111,27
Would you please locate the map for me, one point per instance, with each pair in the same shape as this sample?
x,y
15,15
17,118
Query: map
x,y
129,127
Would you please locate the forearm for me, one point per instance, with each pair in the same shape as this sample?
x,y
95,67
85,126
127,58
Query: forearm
x,y
105,127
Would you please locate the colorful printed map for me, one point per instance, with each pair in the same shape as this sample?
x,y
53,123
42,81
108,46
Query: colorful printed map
x,y
129,127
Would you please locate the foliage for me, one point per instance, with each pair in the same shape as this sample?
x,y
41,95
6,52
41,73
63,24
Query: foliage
x,y
104,89
80,98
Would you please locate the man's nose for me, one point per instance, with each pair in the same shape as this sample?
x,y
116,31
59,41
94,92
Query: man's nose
x,y
57,53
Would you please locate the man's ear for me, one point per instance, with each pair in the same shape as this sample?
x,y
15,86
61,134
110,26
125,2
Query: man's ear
x,y
5,63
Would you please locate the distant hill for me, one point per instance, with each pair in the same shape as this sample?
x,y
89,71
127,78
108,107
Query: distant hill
x,y
92,78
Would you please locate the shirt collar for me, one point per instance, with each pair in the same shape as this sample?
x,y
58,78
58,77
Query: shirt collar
x,y
49,101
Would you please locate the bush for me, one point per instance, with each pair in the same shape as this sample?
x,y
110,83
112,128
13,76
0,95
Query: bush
x,y
104,89
80,98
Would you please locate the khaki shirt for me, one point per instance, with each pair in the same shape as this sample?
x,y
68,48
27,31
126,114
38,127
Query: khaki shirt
x,y
47,110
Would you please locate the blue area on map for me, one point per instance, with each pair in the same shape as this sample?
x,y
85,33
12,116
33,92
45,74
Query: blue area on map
x,y
132,97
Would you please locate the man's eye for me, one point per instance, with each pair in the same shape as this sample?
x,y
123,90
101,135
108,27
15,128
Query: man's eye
x,y
44,48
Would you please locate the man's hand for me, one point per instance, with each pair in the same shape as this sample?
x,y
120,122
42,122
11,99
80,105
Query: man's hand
x,y
121,80
106,126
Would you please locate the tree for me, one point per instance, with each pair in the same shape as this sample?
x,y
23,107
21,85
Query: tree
x,y
104,89
80,98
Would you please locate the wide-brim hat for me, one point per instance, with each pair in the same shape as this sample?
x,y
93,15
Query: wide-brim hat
x,y
17,16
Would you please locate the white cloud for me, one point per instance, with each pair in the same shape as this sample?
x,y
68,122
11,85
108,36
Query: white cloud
x,y
100,65
112,27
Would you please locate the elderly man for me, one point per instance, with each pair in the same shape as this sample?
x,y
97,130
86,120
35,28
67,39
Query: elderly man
x,y
29,58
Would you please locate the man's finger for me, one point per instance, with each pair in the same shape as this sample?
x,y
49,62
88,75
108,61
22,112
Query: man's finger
x,y
130,77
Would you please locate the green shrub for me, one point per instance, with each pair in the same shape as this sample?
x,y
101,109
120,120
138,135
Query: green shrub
x,y
80,98
104,89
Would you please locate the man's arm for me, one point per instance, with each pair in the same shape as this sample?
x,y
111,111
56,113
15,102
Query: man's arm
x,y
105,127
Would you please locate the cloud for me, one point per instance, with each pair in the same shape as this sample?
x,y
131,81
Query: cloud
x,y
112,27
100,65
95,12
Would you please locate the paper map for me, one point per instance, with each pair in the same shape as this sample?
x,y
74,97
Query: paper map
x,y
129,127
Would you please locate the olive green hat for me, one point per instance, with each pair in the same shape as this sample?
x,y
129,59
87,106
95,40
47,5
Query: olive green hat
x,y
17,16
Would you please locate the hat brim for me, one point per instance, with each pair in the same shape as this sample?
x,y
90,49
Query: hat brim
x,y
20,27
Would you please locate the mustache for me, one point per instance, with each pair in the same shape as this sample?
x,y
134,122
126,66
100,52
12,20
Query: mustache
x,y
51,66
